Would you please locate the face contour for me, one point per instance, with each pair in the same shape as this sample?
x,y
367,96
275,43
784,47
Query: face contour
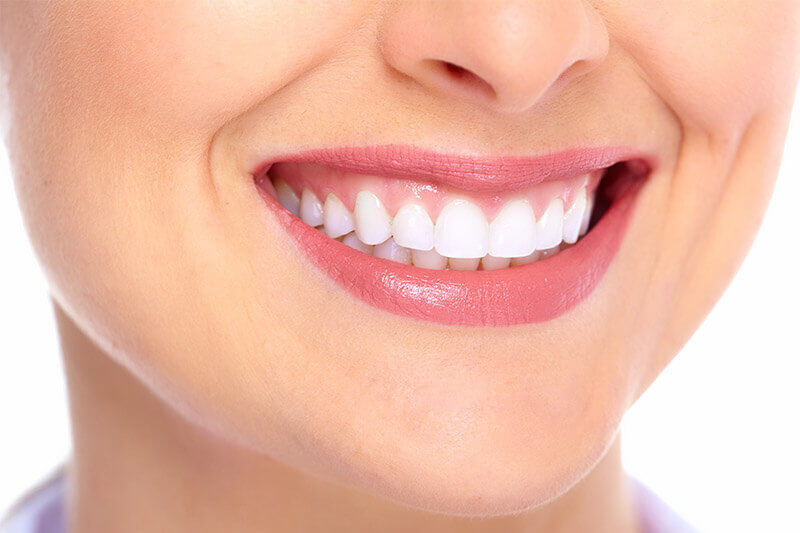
x,y
148,147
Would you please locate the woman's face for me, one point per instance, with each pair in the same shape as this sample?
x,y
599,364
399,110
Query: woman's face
x,y
138,135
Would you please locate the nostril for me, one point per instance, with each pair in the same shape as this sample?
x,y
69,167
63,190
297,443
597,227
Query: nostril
x,y
465,77
456,71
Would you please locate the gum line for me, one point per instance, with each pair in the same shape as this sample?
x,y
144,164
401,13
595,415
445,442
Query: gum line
x,y
394,193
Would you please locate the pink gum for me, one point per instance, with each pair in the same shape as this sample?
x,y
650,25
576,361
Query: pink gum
x,y
394,192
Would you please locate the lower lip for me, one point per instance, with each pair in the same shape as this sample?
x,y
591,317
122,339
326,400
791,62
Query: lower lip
x,y
535,292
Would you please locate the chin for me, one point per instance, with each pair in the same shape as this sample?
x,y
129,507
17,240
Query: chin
x,y
494,468
454,449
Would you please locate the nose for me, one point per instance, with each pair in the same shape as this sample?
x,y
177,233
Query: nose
x,y
505,55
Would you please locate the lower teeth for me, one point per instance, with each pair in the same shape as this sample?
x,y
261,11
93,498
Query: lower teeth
x,y
430,259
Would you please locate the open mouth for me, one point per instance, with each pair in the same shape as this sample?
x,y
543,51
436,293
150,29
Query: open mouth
x,y
458,239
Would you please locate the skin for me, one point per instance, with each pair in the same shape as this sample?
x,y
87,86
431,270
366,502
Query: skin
x,y
218,381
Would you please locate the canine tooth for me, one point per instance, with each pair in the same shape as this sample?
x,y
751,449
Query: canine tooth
x,y
286,196
574,216
391,250
587,215
513,231
549,228
461,231
491,262
310,208
517,261
428,259
373,223
412,227
457,263
337,218
352,240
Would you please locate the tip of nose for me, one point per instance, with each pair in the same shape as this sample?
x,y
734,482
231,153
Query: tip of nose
x,y
503,57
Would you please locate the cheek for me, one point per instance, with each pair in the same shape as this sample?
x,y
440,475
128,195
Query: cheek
x,y
130,95
133,99
716,63
194,65
113,177
726,70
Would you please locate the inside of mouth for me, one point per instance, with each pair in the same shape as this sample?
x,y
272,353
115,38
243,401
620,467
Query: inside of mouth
x,y
618,180
427,226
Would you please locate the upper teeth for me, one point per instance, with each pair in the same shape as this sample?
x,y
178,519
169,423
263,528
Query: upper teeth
x,y
461,232
373,223
287,197
550,228
310,208
512,233
573,218
336,218
412,227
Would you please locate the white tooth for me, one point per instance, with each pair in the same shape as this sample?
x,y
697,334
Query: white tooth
x,y
391,250
574,216
491,262
310,208
587,215
517,261
286,196
353,241
337,218
549,228
461,230
428,259
373,223
513,231
549,251
412,227
464,264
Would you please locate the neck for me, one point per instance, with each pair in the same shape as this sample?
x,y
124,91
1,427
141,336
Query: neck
x,y
139,466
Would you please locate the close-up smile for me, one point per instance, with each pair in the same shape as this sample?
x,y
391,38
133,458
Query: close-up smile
x,y
455,239
396,265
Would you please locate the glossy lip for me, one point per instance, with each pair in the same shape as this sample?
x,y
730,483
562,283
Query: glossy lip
x,y
531,293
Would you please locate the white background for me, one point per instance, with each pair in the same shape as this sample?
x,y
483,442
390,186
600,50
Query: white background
x,y
716,435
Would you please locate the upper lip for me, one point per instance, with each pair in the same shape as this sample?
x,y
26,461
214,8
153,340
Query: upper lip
x,y
472,173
